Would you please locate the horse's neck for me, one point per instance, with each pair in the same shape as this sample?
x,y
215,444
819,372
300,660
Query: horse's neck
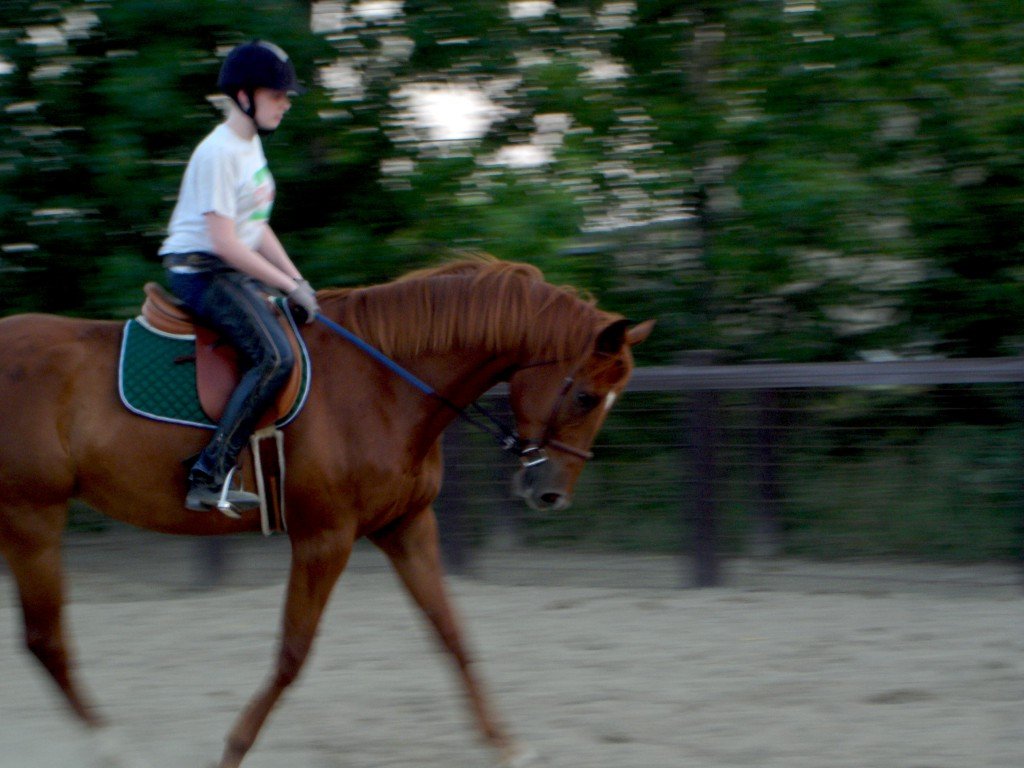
x,y
463,377
484,353
460,379
457,378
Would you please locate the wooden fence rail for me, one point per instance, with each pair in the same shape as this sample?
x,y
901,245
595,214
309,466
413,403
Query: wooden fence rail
x,y
700,381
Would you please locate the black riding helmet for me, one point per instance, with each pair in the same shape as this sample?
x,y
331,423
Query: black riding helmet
x,y
258,64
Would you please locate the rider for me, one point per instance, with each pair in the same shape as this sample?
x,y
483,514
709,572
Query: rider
x,y
222,258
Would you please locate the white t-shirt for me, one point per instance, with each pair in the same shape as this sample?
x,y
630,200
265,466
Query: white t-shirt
x,y
227,175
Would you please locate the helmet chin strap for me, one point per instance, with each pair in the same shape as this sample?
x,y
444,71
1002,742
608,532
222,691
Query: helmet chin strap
x,y
250,112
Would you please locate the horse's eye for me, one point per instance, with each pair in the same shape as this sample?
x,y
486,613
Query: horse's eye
x,y
587,400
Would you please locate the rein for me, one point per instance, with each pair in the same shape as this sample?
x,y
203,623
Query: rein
x,y
531,452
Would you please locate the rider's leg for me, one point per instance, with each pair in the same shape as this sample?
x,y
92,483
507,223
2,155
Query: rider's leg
x,y
234,305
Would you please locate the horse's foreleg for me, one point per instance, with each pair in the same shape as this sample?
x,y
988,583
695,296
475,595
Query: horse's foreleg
x,y
33,553
413,549
316,564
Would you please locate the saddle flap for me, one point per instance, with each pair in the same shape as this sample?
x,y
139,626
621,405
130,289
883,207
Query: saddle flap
x,y
217,375
217,370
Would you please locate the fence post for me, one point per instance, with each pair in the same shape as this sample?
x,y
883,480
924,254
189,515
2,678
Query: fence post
x,y
1019,398
506,524
766,540
450,505
702,516
211,561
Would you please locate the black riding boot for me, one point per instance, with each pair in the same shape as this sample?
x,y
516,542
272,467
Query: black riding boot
x,y
236,306
210,478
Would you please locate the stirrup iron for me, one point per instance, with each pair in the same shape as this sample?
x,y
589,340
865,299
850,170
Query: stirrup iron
x,y
224,506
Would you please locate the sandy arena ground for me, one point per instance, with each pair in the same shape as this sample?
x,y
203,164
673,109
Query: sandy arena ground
x,y
596,662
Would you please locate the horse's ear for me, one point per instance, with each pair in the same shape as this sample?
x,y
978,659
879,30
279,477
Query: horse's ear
x,y
639,332
610,340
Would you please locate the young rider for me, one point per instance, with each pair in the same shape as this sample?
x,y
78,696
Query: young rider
x,y
222,258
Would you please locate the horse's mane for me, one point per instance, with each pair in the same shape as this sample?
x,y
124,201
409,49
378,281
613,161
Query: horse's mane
x,y
479,302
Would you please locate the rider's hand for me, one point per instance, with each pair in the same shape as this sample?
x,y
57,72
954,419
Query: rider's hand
x,y
303,302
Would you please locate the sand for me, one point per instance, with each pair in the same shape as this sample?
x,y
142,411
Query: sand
x,y
602,667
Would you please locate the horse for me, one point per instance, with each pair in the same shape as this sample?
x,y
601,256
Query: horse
x,y
364,456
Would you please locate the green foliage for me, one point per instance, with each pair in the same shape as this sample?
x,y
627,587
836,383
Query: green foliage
x,y
920,499
853,170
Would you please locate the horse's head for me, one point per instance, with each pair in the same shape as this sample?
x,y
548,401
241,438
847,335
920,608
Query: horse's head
x,y
559,408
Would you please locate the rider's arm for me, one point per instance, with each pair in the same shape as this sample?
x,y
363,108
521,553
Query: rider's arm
x,y
236,254
272,250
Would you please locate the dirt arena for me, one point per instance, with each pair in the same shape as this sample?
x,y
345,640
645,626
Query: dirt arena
x,y
595,662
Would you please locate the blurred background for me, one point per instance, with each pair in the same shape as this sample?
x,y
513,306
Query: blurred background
x,y
795,181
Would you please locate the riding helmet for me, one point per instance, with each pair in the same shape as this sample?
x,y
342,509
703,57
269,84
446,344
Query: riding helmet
x,y
258,64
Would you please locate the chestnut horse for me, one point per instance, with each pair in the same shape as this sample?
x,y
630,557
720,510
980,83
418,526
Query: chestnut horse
x,y
363,456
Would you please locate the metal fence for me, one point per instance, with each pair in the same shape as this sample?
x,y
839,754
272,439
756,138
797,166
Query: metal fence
x,y
912,459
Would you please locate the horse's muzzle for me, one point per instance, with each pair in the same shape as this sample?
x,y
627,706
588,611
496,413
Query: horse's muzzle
x,y
541,486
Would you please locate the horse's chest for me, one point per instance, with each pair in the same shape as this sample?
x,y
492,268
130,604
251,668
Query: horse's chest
x,y
395,494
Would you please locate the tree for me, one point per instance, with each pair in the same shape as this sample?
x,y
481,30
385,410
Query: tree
x,y
796,180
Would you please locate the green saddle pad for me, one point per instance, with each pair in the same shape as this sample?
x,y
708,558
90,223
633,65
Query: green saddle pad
x,y
157,377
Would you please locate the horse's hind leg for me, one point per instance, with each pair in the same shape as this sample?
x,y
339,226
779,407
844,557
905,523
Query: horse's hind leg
x,y
412,547
33,553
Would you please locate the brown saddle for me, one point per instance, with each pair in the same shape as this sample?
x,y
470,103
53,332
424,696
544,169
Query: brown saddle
x,y
217,371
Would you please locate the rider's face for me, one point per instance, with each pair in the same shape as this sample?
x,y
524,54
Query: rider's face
x,y
271,107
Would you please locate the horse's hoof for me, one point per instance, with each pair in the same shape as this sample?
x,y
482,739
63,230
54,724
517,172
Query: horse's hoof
x,y
520,758
112,752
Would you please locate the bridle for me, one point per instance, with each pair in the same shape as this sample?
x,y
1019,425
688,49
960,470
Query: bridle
x,y
531,452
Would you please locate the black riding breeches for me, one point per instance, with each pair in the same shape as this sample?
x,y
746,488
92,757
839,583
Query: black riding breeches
x,y
236,306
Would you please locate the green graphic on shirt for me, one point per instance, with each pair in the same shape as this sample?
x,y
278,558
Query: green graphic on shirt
x,y
264,194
